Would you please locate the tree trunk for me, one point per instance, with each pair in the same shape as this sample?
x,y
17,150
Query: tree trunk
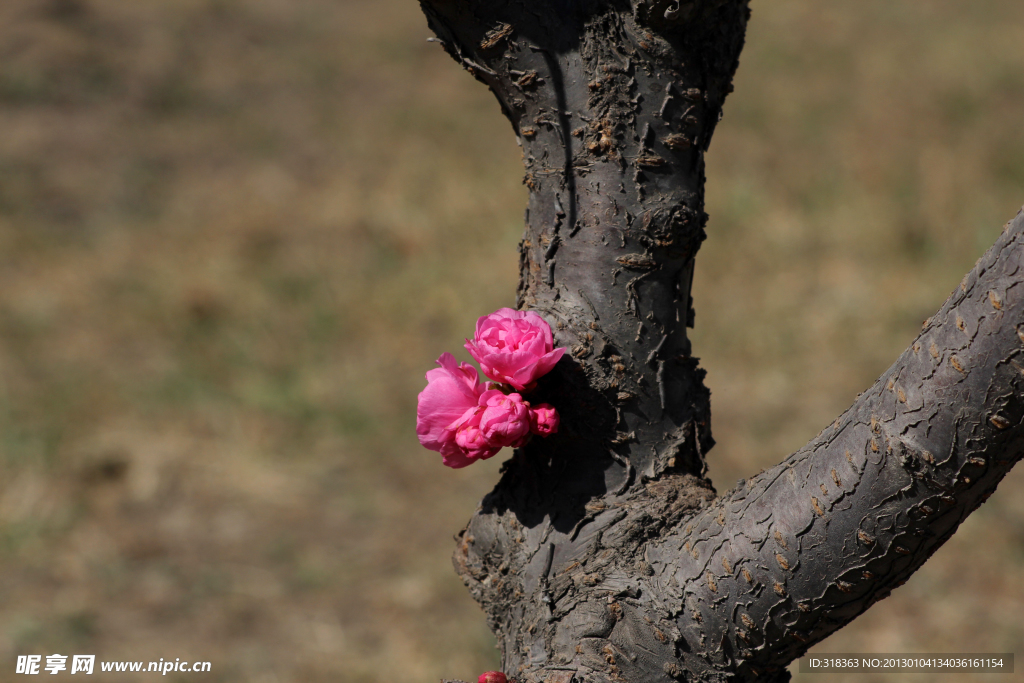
x,y
603,554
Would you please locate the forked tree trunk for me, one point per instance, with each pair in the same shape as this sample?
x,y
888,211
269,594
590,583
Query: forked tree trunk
x,y
603,554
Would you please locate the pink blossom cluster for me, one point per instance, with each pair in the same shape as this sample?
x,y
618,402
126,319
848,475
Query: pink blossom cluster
x,y
466,420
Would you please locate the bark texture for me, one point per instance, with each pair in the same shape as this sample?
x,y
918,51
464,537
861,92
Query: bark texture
x,y
603,554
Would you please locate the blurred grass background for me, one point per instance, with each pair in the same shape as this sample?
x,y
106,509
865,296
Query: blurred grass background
x,y
234,234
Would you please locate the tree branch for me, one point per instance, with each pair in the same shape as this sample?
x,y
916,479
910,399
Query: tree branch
x,y
813,542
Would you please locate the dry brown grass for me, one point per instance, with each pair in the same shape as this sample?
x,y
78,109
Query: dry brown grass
x,y
235,233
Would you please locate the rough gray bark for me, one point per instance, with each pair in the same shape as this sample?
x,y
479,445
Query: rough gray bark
x,y
603,554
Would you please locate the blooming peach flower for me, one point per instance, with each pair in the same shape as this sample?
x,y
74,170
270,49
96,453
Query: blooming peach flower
x,y
451,400
544,420
514,347
465,421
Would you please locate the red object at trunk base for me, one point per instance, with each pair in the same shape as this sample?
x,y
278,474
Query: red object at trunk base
x,y
492,677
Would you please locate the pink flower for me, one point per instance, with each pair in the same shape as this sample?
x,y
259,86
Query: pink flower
x,y
492,677
505,420
465,421
451,400
544,420
515,347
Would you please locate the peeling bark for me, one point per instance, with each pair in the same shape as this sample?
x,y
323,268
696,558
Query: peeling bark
x,y
603,554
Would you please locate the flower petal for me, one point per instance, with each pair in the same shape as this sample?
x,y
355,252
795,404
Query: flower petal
x,y
451,391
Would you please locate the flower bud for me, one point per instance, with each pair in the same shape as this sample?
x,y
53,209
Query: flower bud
x,y
505,420
544,420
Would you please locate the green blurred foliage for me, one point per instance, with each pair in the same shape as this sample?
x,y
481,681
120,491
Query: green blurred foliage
x,y
234,234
